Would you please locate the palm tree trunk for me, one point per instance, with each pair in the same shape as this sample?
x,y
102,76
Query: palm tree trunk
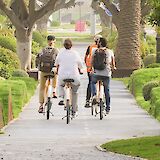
x,y
127,50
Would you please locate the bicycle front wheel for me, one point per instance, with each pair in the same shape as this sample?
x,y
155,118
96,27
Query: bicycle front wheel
x,y
68,111
101,109
49,104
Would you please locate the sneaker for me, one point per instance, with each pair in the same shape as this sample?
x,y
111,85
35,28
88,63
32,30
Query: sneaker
x,y
61,103
54,95
87,104
94,100
107,110
74,114
40,110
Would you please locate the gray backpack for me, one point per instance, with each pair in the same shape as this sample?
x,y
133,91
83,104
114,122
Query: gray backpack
x,y
46,59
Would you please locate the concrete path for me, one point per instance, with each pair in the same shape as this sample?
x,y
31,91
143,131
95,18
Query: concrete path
x,y
32,137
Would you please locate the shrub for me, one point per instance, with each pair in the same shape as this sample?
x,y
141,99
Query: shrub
x,y
20,73
147,88
158,57
155,101
8,43
8,62
144,49
151,58
33,61
55,24
35,48
37,37
153,65
7,32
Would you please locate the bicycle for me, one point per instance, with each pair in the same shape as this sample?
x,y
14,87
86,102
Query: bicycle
x,y
48,95
68,99
97,105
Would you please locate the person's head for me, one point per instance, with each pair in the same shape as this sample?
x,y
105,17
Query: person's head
x,y
97,38
102,42
67,43
51,40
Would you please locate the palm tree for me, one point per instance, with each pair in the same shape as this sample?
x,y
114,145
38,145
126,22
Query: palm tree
x,y
127,19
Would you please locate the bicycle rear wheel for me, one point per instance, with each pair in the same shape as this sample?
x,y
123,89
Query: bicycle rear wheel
x,y
68,111
101,109
49,104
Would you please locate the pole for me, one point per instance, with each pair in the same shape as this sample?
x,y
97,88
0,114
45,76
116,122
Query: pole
x,y
93,22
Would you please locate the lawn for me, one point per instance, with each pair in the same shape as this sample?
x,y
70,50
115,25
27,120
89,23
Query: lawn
x,y
146,147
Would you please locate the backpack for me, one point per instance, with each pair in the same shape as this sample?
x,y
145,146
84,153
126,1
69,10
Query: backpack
x,y
99,60
46,59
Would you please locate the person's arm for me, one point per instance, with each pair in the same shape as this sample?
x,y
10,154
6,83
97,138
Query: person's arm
x,y
57,64
113,61
87,53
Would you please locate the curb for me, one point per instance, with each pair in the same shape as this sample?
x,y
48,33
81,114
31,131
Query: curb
x,y
98,147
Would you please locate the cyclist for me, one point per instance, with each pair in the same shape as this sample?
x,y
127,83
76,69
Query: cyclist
x,y
45,62
68,64
103,73
87,59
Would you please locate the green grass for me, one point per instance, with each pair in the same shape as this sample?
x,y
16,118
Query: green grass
x,y
146,147
1,132
21,90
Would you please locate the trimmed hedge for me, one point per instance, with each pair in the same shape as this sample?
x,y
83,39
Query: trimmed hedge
x,y
155,101
137,80
21,89
151,58
37,37
9,61
8,42
147,88
20,73
153,65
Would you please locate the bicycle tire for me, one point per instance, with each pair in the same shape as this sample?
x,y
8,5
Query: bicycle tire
x,y
101,109
68,112
92,109
48,108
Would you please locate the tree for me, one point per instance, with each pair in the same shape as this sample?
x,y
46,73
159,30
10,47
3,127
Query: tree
x,y
126,17
42,22
154,19
23,16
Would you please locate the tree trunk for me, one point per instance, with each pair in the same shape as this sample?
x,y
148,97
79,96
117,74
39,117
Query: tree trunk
x,y
24,41
127,50
42,23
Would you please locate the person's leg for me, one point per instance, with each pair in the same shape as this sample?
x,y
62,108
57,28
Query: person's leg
x,y
41,91
75,97
54,84
93,88
106,83
88,95
88,87
61,91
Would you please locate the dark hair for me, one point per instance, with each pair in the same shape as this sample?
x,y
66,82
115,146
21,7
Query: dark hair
x,y
67,43
50,38
103,42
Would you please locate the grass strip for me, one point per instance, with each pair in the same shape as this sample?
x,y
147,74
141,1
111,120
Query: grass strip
x,y
146,147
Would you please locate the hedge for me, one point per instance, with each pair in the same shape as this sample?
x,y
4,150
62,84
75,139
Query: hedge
x,y
21,89
9,61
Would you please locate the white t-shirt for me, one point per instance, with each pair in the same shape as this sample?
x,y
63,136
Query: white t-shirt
x,y
107,71
69,61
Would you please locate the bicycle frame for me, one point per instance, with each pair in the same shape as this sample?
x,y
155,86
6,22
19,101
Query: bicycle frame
x,y
68,99
48,95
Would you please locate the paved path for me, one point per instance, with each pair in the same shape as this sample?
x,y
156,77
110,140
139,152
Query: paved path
x,y
32,137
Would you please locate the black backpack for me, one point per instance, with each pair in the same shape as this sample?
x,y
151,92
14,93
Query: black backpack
x,y
46,59
99,60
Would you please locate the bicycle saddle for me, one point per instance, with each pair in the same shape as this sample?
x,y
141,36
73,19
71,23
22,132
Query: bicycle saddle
x,y
68,80
49,76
